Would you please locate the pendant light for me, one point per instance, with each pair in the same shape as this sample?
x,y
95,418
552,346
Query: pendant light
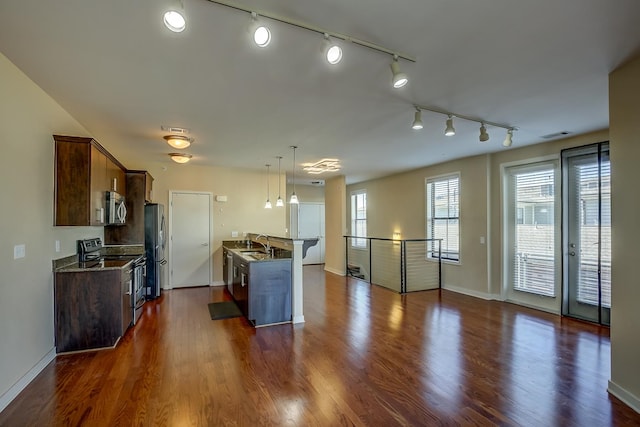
x,y
484,135
267,205
294,198
279,202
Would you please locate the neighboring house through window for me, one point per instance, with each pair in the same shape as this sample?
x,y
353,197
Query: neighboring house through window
x,y
443,216
359,218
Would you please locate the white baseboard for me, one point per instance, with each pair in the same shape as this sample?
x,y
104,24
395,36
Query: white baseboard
x,y
23,382
297,319
217,283
471,292
334,271
627,397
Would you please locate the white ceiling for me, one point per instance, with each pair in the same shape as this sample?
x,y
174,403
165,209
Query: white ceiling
x,y
541,66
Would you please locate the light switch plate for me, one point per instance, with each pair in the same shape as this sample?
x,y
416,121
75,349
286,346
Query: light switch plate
x,y
19,251
234,234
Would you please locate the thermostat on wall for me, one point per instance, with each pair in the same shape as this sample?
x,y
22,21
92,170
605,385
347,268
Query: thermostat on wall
x,y
221,198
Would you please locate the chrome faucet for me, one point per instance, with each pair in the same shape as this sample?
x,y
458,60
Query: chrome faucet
x,y
266,247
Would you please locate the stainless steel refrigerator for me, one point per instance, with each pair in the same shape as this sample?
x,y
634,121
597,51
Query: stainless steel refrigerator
x,y
154,243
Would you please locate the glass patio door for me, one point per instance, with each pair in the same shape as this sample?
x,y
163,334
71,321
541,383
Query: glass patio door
x,y
587,233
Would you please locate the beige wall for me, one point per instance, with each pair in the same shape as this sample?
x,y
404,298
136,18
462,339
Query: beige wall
x,y
29,118
308,193
624,114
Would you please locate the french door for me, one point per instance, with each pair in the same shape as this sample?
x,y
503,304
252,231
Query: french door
x,y
586,174
531,220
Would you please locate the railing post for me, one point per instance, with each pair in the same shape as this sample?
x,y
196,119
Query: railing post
x,y
403,267
439,263
370,266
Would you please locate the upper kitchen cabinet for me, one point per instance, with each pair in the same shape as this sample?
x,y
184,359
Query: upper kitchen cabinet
x,y
138,192
84,171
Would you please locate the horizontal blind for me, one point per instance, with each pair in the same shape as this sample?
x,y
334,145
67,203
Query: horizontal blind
x,y
533,266
443,216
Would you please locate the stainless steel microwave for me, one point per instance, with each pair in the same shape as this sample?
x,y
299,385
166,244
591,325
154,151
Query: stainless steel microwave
x,y
116,208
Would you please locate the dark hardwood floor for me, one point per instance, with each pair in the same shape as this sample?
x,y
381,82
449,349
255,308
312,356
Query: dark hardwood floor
x,y
365,356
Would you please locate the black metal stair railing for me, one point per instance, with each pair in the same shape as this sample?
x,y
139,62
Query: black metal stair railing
x,y
402,265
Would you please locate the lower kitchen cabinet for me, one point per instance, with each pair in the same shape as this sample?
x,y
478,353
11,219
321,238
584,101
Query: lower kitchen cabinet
x,y
92,308
262,290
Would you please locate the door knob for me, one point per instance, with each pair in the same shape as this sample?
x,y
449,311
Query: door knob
x,y
572,253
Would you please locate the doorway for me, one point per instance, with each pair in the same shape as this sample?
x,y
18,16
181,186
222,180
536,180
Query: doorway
x,y
190,237
586,201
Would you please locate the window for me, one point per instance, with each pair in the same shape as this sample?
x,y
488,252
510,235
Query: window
x,y
359,218
443,216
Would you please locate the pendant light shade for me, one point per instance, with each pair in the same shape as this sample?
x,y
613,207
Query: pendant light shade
x,y
174,17
267,205
417,120
294,197
484,135
450,130
279,202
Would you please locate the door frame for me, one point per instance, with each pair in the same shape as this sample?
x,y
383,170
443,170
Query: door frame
x,y
170,232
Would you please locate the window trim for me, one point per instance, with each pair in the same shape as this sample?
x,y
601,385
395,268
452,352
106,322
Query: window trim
x,y
428,212
358,244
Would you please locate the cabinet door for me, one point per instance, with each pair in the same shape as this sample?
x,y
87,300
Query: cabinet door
x,y
98,186
116,179
148,188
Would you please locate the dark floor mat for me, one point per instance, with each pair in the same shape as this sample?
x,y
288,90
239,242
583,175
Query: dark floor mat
x,y
224,310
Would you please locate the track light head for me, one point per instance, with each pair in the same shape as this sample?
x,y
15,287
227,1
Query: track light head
x,y
174,18
450,130
417,120
399,78
508,140
260,32
331,50
484,135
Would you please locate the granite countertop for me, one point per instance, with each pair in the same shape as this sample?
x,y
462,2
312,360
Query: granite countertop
x,y
126,255
255,253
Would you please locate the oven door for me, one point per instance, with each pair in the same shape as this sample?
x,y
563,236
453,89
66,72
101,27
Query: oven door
x,y
137,296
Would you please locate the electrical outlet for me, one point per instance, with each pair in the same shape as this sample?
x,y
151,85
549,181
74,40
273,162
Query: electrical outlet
x,y
19,251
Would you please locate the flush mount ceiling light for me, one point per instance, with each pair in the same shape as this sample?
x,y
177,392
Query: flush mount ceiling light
x,y
180,157
417,120
324,165
484,135
294,198
261,33
267,205
450,130
332,51
399,78
174,17
508,140
178,141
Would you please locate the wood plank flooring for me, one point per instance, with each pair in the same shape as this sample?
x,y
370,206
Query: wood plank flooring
x,y
365,356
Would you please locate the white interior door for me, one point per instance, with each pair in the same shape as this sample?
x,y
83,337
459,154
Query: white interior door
x,y
190,239
311,224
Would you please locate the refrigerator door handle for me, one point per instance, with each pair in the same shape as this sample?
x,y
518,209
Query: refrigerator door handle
x,y
163,262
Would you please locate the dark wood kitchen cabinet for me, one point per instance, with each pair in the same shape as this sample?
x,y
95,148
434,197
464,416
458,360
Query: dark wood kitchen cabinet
x,y
92,308
84,171
138,192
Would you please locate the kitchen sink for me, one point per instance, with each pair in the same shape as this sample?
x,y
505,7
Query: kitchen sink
x,y
252,252
259,256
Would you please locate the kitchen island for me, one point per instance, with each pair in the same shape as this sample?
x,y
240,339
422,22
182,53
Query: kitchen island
x,y
267,248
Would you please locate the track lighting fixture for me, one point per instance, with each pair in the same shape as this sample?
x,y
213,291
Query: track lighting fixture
x,y
267,205
508,140
294,198
484,136
178,141
332,51
399,78
417,120
174,17
261,33
450,130
279,202
180,157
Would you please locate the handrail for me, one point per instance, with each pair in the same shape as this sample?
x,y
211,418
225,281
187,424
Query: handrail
x,y
415,262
